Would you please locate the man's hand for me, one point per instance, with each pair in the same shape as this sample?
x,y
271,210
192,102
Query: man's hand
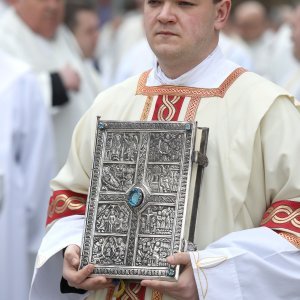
x,y
80,278
70,78
185,288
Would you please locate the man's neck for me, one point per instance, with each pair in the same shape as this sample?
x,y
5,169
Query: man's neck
x,y
210,73
180,66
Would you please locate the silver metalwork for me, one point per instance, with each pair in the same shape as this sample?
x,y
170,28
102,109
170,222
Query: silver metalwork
x,y
200,158
137,199
188,246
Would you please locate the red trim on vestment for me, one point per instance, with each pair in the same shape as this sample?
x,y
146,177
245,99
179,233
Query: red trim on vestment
x,y
167,108
64,203
133,291
283,215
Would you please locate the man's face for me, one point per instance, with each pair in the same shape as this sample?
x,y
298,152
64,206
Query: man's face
x,y
42,16
183,32
251,27
296,33
86,31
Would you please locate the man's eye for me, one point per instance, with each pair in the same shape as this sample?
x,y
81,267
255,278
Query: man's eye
x,y
185,3
153,2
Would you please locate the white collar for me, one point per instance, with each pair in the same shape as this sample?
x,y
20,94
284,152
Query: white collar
x,y
210,73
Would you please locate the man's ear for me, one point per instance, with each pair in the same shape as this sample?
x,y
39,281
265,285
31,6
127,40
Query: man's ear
x,y
222,13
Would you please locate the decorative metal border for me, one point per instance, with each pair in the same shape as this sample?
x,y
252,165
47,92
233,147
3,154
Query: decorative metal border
x,y
98,198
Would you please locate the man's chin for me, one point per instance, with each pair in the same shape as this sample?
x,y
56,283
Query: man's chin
x,y
164,47
48,33
166,54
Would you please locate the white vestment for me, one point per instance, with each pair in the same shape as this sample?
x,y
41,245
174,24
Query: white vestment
x,y
26,167
261,52
3,7
236,51
282,61
139,59
47,56
253,161
116,43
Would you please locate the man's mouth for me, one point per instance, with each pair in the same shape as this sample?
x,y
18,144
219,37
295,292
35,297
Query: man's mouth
x,y
166,33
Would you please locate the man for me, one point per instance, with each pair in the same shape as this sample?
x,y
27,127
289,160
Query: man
x,y
118,37
83,21
32,32
251,22
26,166
282,59
290,78
3,7
252,177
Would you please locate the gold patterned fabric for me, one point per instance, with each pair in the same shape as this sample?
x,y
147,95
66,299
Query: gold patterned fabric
x,y
284,216
291,238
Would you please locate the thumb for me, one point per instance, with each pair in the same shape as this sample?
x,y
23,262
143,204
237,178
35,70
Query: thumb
x,y
180,258
72,255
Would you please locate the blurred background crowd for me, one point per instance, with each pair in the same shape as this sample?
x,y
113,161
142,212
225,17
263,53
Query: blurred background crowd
x,y
56,56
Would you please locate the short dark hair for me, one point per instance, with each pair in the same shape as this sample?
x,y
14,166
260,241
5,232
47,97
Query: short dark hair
x,y
75,6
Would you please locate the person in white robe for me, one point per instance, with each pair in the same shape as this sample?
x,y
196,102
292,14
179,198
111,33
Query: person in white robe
x,y
130,65
251,23
3,6
117,39
287,57
26,167
282,58
236,51
247,229
83,21
32,32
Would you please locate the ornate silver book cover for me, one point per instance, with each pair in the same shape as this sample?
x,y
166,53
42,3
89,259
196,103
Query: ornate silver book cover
x,y
138,205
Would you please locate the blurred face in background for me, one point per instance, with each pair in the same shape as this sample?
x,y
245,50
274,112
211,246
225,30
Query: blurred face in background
x,y
42,16
296,33
250,20
86,31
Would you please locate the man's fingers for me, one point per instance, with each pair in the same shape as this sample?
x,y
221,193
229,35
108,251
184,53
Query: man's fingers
x,y
81,279
76,277
81,275
95,283
181,258
72,255
158,285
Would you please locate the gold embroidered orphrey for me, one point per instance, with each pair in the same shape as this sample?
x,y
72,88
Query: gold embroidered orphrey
x,y
63,202
195,94
289,215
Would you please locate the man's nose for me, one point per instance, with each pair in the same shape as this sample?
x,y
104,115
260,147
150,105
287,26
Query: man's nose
x,y
167,13
54,4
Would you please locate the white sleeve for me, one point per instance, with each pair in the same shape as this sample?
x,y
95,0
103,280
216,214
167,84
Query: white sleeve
x,y
48,270
245,265
46,87
38,160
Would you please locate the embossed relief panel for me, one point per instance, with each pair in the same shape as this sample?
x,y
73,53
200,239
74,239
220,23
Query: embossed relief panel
x,y
137,198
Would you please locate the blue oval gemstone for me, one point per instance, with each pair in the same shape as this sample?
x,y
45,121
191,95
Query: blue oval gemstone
x,y
135,197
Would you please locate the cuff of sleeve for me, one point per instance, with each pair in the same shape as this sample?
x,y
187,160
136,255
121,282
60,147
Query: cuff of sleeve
x,y
207,267
293,239
59,93
66,289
